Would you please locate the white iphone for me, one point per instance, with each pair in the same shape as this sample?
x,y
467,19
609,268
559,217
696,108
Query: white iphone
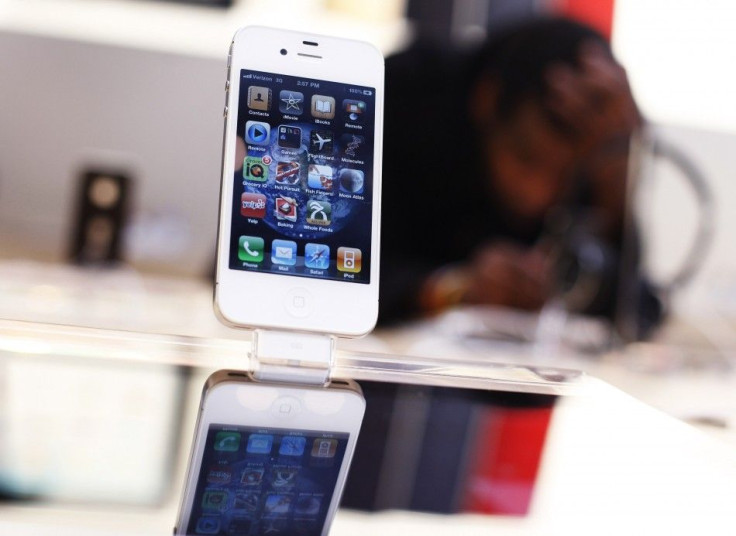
x,y
269,458
299,230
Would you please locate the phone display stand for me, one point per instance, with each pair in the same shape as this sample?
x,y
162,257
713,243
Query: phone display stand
x,y
288,357
300,358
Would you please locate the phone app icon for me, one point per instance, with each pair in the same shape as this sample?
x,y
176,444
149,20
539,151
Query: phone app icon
x,y
259,98
320,141
277,504
287,173
250,249
283,252
215,499
227,441
257,132
319,212
319,177
349,259
352,181
291,102
255,168
259,444
353,110
307,504
290,137
324,448
285,208
317,256
252,476
219,474
352,145
323,107
208,525
253,205
292,445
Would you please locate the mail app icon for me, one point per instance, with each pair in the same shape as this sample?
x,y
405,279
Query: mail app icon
x,y
283,252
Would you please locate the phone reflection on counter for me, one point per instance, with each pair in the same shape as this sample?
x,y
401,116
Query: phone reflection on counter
x,y
447,450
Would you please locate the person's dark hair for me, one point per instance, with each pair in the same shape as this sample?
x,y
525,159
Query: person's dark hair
x,y
517,58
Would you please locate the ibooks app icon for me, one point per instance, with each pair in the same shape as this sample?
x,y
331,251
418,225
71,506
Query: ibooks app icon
x,y
349,260
323,107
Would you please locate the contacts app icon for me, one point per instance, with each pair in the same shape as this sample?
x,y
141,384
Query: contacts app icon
x,y
259,98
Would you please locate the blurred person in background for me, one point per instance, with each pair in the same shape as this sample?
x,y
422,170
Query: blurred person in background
x,y
489,157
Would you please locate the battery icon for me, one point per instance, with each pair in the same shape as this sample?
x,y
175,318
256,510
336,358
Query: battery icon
x,y
367,92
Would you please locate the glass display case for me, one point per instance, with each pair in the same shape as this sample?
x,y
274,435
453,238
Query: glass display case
x,y
96,425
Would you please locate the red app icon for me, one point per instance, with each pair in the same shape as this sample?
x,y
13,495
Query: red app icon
x,y
219,474
285,208
253,205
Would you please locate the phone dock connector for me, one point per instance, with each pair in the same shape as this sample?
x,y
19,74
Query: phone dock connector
x,y
283,356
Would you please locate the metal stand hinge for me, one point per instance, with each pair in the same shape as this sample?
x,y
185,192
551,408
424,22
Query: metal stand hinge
x,y
282,356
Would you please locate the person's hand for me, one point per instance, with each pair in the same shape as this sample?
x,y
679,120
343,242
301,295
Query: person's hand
x,y
501,273
509,275
594,101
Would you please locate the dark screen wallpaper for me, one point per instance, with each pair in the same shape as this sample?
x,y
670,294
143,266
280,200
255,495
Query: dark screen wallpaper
x,y
302,197
257,481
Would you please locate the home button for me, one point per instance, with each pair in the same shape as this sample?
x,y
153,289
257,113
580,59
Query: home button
x,y
299,302
286,407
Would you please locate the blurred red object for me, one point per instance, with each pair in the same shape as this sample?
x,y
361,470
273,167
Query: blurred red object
x,y
598,14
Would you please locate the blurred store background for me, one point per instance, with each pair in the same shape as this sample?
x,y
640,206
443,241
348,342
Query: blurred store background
x,y
134,88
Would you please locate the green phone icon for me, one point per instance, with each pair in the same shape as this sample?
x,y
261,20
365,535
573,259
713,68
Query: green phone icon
x,y
250,249
227,441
